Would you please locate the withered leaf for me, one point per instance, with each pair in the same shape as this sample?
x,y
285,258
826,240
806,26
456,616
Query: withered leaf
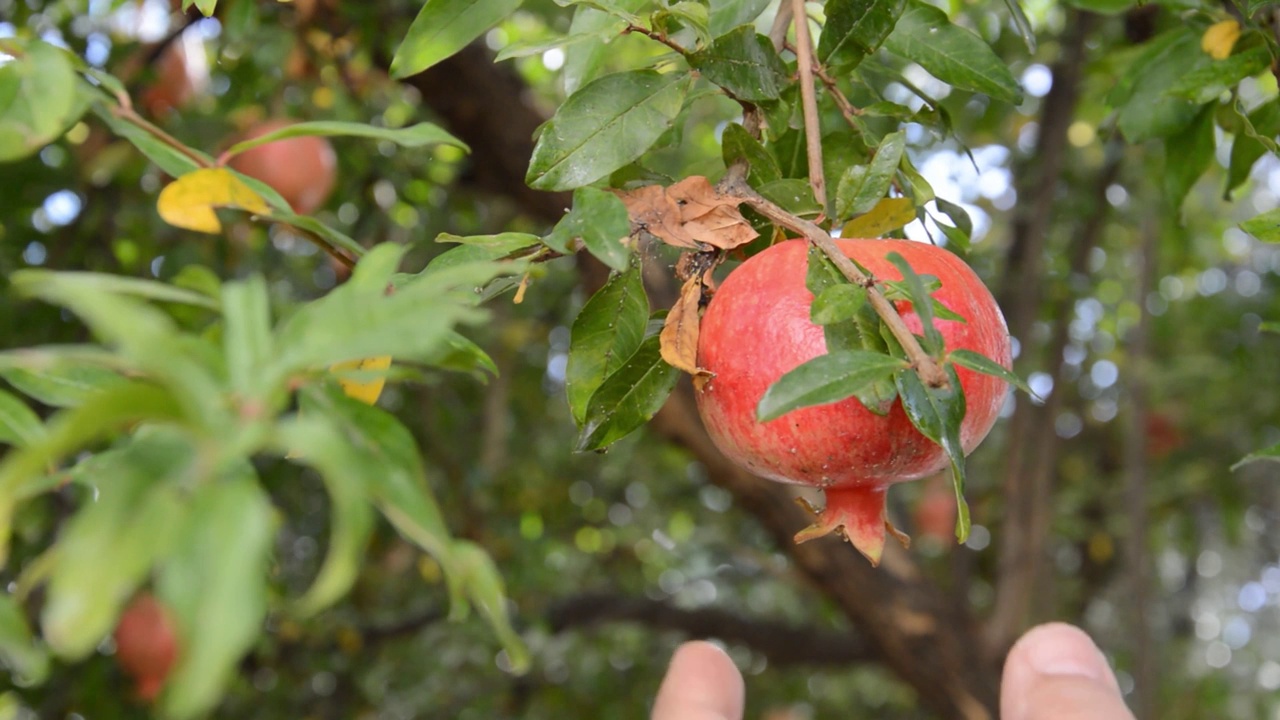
x,y
689,214
679,337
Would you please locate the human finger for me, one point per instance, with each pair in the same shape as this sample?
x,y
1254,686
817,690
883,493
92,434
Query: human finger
x,y
1056,672
702,683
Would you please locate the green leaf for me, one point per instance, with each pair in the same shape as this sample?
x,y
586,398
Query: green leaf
x,y
690,14
206,7
628,398
442,28
391,472
985,365
345,471
1247,147
1272,453
20,653
605,125
478,248
794,195
70,430
420,135
246,336
951,53
1207,82
582,61
60,383
1188,155
921,303
1265,227
173,162
729,14
959,216
861,187
214,581
139,288
484,587
38,99
737,144
744,63
821,276
826,379
856,29
937,414
19,425
606,332
600,220
838,303
281,213
1146,109
110,545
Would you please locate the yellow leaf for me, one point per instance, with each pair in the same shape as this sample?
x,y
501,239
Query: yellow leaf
x,y
679,337
1218,40
888,214
188,202
366,391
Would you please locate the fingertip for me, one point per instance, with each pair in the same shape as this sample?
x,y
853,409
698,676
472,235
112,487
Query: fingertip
x,y
1059,663
702,683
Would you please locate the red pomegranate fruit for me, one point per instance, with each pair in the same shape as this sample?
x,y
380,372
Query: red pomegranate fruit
x,y
147,644
302,169
182,75
757,328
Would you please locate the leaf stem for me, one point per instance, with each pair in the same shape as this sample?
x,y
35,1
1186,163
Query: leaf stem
x,y
931,373
809,100
656,35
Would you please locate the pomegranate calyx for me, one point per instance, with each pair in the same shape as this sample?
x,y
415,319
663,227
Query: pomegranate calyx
x,y
857,514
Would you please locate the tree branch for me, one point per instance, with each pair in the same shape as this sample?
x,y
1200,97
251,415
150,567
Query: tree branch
x,y
781,643
809,100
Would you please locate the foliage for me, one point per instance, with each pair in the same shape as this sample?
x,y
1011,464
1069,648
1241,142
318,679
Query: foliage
x,y
174,431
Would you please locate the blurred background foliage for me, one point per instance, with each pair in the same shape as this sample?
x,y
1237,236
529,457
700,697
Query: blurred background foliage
x,y
609,558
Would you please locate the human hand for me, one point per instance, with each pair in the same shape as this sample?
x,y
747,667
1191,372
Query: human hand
x,y
1054,672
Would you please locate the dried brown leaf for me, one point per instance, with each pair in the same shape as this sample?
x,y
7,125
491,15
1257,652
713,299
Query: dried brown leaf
x,y
689,214
679,338
652,210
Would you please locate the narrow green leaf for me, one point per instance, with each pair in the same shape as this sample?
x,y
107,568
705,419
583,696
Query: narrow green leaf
x,y
137,287
20,653
1261,124
246,336
1272,453
601,221
729,14
605,125
1188,155
110,545
478,248
628,398
856,29
921,303
821,276
937,413
607,331
1146,109
391,472
483,585
737,144
1206,82
70,430
1265,227
281,213
442,28
861,187
166,157
985,365
951,53
419,135
826,379
744,63
345,470
583,62
60,383
40,89
794,195
214,580
19,425
959,216
206,7
838,303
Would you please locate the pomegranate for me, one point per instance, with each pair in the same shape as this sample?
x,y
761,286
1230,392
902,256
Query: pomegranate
x,y
302,169
757,328
146,644
182,75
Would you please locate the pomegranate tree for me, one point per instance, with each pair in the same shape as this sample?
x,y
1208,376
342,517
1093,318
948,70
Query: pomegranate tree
x,y
850,434
147,644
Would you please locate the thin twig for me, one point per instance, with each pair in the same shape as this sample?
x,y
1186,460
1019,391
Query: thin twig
x,y
125,112
781,20
655,35
847,108
808,98
931,373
